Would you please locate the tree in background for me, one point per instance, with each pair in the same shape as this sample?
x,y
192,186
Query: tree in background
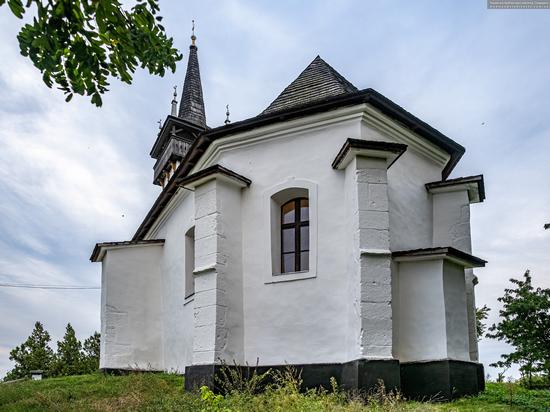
x,y
525,325
481,315
90,354
71,358
68,358
33,354
77,44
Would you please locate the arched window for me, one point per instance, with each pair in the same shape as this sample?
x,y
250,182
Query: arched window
x,y
295,235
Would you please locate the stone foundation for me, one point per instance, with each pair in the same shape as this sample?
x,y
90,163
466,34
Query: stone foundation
x,y
435,380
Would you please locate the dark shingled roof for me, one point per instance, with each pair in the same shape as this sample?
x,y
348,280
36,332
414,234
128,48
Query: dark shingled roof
x,y
192,103
317,82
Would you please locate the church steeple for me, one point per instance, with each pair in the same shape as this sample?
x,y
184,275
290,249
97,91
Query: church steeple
x,y
183,125
192,105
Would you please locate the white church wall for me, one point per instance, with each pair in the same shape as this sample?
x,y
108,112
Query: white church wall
x,y
455,311
177,318
422,324
451,217
297,319
218,306
431,311
131,319
280,317
294,321
410,202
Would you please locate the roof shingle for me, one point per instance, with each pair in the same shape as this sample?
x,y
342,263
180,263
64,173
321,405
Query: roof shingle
x,y
192,104
317,82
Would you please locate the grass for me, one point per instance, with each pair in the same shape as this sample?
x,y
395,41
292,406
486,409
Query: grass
x,y
163,392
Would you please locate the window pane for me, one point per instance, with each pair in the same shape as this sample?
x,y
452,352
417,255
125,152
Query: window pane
x,y
304,210
288,212
304,261
288,240
288,263
304,238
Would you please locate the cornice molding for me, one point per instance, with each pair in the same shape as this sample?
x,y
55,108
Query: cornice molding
x,y
392,129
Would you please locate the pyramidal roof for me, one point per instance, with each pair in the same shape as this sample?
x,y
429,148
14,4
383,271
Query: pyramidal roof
x,y
192,103
317,82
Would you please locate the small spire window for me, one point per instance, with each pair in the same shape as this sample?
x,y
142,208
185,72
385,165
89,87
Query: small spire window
x,y
295,235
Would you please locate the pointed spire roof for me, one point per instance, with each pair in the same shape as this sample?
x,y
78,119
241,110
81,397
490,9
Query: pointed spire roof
x,y
192,104
317,82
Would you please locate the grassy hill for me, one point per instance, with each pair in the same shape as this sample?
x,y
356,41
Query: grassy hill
x,y
158,392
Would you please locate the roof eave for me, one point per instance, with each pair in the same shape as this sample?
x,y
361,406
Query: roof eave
x,y
100,248
475,185
447,253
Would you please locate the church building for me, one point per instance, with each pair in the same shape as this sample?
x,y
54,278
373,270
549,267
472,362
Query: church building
x,y
323,233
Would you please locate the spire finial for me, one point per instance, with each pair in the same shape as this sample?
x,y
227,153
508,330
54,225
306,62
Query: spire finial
x,y
160,123
193,37
227,121
174,111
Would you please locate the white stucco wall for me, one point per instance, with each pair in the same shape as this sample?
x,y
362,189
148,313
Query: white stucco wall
x,y
310,318
431,311
131,318
422,325
451,217
451,227
301,321
177,314
218,306
454,289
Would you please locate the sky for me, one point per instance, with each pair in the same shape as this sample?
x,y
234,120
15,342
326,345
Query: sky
x,y
72,175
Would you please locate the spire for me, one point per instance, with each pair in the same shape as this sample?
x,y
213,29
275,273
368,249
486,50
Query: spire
x,y
192,104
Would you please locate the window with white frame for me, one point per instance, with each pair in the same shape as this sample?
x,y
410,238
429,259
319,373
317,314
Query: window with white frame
x,y
291,215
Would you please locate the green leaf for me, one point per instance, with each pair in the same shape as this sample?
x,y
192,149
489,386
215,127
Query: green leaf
x,y
16,7
78,44
96,99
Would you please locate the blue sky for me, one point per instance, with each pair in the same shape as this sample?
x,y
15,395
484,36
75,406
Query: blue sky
x,y
72,174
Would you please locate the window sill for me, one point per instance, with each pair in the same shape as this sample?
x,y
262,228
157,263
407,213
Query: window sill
x,y
290,277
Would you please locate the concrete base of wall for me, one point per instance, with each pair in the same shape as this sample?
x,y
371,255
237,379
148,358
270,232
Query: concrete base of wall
x,y
360,374
435,380
441,380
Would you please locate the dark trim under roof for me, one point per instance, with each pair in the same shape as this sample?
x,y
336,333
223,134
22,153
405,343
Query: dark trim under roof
x,y
451,252
397,148
98,246
370,96
477,179
213,170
